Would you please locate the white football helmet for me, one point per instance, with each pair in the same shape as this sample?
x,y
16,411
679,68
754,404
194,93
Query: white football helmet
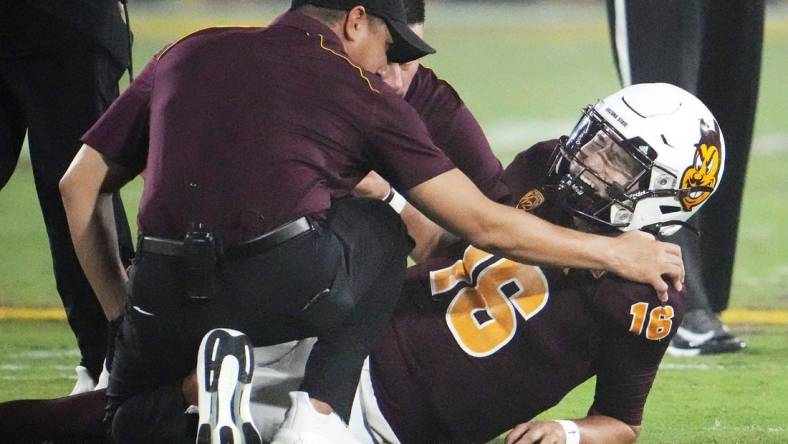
x,y
646,157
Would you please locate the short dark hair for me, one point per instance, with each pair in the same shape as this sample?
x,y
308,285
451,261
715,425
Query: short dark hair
x,y
414,11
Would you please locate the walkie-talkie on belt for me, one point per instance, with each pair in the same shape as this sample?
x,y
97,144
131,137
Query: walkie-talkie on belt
x,y
200,257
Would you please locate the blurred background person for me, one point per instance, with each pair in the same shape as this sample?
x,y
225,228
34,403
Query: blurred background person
x,y
712,50
60,63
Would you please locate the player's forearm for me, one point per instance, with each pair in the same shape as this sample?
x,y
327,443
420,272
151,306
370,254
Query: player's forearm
x,y
595,429
600,429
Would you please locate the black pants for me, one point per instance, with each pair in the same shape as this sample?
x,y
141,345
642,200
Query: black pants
x,y
54,93
713,50
359,253
74,419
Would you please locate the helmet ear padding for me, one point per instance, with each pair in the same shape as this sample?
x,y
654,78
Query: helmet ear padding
x,y
670,133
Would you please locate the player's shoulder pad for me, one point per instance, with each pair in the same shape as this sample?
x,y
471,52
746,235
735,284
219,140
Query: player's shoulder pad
x,y
202,32
635,308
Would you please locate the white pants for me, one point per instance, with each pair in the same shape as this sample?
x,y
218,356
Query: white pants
x,y
279,370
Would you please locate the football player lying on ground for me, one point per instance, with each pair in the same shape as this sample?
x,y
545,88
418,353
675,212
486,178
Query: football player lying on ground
x,y
480,344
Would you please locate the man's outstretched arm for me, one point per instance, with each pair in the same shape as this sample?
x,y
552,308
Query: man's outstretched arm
x,y
451,200
87,189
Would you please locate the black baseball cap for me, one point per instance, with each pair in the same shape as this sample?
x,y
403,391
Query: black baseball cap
x,y
407,45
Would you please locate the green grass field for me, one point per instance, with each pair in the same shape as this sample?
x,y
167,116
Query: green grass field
x,y
525,72
721,399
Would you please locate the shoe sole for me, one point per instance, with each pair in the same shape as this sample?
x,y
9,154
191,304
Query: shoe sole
x,y
225,365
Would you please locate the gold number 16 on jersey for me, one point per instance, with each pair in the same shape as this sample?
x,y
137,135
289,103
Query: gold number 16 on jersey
x,y
659,323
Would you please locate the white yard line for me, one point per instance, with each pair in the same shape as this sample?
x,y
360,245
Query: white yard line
x,y
14,367
689,366
718,425
45,354
42,377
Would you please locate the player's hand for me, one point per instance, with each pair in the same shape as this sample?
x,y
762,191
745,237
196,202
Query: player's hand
x,y
642,258
372,186
543,432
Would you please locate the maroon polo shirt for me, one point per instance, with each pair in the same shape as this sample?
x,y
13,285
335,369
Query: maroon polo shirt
x,y
455,130
245,129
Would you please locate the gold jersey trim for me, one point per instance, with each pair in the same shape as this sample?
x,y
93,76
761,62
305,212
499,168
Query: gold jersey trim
x,y
360,70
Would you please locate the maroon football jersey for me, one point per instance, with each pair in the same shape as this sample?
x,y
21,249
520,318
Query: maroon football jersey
x,y
244,129
456,131
481,343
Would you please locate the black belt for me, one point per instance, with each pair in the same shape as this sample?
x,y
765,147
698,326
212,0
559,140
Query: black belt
x,y
252,247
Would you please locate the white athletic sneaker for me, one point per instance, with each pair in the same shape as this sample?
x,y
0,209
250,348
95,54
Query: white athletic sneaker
x,y
304,425
85,382
225,364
